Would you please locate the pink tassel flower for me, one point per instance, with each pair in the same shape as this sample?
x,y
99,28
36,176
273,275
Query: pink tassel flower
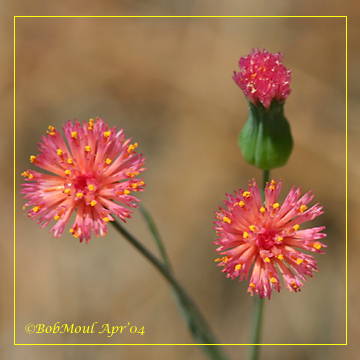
x,y
263,239
92,170
263,77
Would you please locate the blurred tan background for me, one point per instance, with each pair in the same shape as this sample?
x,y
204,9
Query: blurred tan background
x,y
168,83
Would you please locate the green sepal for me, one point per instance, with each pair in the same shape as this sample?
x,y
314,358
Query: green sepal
x,y
265,139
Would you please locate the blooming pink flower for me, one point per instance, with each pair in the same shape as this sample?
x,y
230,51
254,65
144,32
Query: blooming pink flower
x,y
263,77
262,238
93,171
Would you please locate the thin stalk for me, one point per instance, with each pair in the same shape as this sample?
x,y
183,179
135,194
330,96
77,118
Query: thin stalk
x,y
258,308
194,318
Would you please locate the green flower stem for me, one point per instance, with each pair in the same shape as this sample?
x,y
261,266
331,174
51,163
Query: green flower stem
x,y
253,353
192,315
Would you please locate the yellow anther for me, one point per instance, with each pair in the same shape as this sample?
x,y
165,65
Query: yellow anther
x,y
59,152
267,260
107,134
299,261
67,172
56,217
238,267
75,234
93,203
70,161
106,219
296,227
71,230
126,192
79,195
67,191
273,280
52,131
36,209
225,259
218,259
74,134
293,284
271,187
246,194
317,246
280,257
303,208
87,148
241,204
91,187
252,227
131,147
26,174
108,161
245,235
262,209
134,185
252,285
275,206
226,219
91,124
33,158
141,183
280,238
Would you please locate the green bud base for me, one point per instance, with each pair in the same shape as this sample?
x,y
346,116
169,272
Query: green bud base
x,y
265,139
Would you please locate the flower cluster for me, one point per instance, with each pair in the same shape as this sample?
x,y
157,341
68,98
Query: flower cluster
x,y
262,238
263,77
93,170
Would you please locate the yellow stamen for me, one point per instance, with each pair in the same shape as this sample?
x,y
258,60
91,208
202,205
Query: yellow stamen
x,y
275,206
67,172
33,158
93,203
273,280
134,185
91,124
79,195
56,217
52,131
67,191
299,261
296,227
280,257
246,194
131,147
241,204
106,219
141,183
238,267
252,227
262,209
317,246
91,187
71,230
74,134
108,161
280,238
107,134
267,260
303,208
245,235
226,219
252,285
87,148
126,192
36,209
70,161
294,285
59,152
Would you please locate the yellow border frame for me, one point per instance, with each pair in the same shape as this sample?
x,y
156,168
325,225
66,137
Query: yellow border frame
x,y
346,166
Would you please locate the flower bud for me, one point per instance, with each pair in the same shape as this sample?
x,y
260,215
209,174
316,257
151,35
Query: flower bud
x,y
265,139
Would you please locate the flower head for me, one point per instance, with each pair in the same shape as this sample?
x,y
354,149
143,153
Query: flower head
x,y
263,77
93,170
262,238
